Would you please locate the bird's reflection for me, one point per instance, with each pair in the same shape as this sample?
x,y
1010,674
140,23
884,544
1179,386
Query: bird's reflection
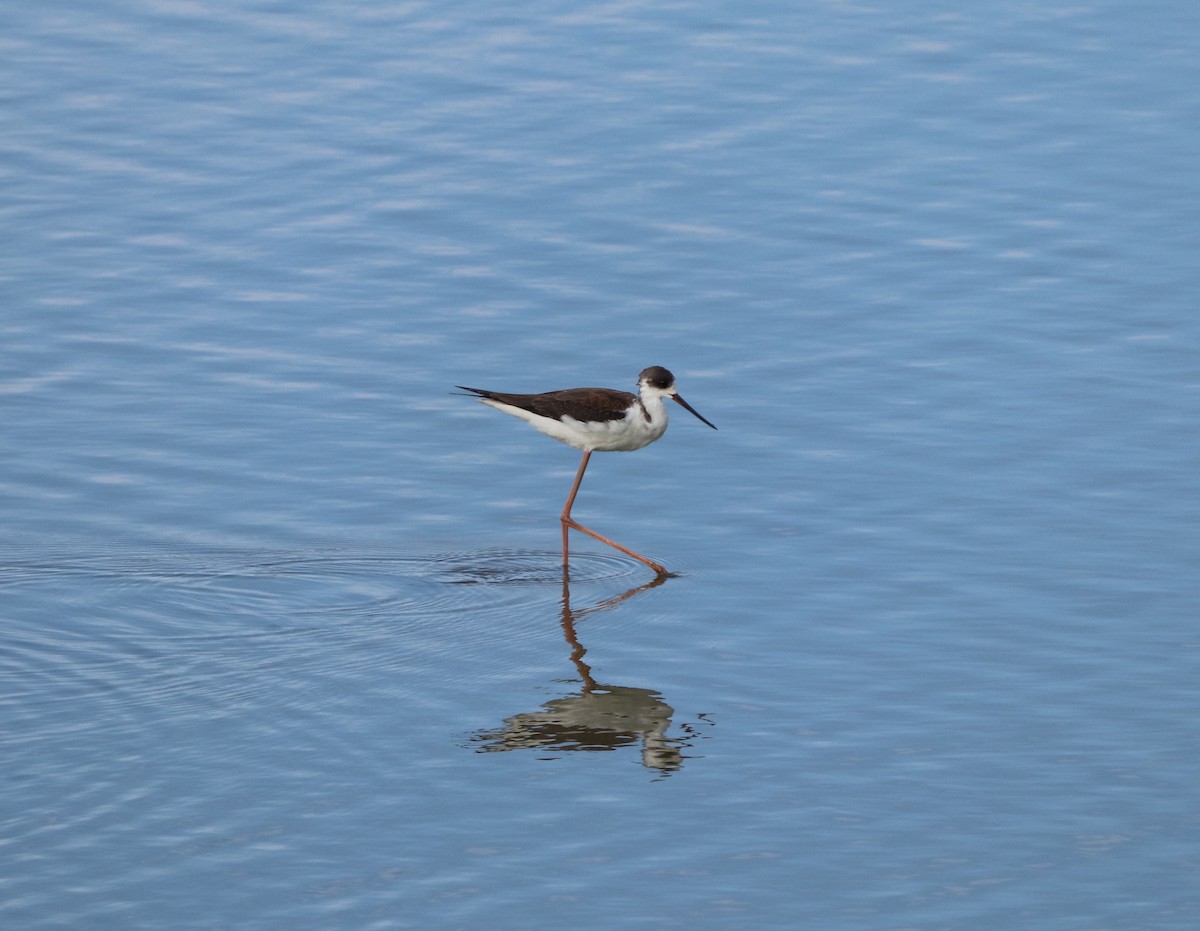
x,y
599,716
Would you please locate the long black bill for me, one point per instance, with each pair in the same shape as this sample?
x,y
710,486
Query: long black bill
x,y
692,409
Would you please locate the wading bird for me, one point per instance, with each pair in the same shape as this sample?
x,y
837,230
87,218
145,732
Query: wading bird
x,y
592,419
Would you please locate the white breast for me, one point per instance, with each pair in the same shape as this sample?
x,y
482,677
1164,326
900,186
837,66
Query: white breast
x,y
632,432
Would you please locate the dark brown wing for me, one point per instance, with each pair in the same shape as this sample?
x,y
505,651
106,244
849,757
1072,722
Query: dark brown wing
x,y
594,404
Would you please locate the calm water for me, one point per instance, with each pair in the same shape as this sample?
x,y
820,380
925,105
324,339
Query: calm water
x,y
284,638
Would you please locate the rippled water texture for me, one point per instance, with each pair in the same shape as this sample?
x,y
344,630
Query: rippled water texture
x,y
285,637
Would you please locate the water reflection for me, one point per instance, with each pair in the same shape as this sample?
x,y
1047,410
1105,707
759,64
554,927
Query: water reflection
x,y
599,716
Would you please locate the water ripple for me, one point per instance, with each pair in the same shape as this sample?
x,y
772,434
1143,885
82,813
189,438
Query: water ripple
x,y
203,632
166,595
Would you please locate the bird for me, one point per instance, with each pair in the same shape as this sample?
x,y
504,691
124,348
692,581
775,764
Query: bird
x,y
596,419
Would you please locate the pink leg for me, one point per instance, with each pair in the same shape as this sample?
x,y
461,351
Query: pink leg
x,y
567,522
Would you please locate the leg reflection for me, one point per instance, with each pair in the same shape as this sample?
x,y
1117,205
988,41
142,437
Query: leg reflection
x,y
570,616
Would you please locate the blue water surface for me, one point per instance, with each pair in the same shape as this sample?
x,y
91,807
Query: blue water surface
x,y
285,640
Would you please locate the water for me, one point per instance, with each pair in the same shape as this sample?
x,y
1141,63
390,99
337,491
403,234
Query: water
x,y
284,638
